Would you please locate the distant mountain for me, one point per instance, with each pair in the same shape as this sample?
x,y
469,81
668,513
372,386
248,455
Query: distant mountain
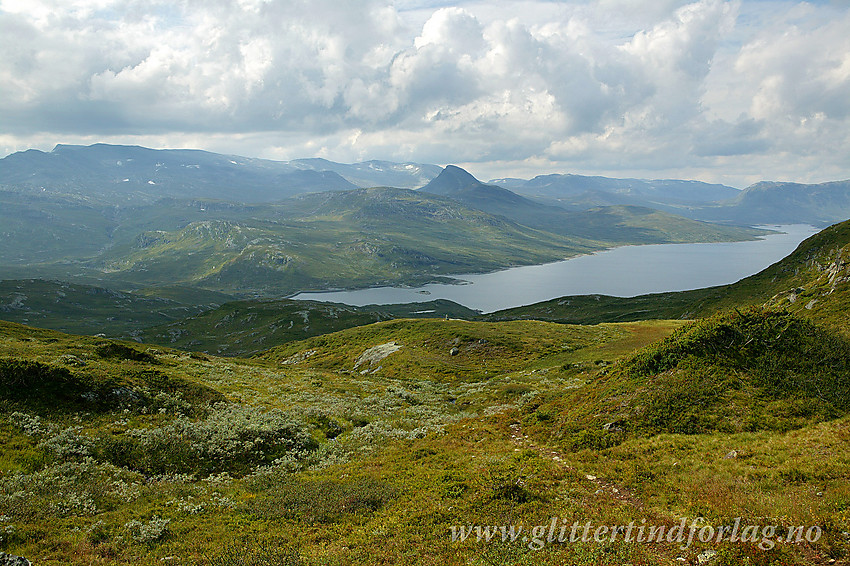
x,y
122,174
610,223
581,192
460,185
665,190
130,174
375,173
763,203
786,203
452,181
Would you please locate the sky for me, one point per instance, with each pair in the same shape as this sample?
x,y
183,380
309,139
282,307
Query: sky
x,y
728,91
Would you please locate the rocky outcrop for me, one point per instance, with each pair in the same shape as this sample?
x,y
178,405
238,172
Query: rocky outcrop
x,y
376,353
12,560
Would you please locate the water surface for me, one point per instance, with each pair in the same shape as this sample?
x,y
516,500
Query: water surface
x,y
622,272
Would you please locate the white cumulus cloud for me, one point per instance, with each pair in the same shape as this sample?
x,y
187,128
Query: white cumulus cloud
x,y
727,90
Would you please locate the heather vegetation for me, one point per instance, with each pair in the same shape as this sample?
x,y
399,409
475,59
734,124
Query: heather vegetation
x,y
368,445
374,444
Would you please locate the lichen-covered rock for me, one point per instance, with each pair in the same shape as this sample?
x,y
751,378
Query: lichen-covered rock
x,y
12,560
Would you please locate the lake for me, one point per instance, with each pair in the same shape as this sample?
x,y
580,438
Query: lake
x,y
622,272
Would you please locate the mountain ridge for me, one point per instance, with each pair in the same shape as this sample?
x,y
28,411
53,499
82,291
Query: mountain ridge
x,y
373,236
118,171
119,174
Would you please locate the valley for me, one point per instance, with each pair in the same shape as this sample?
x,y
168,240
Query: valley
x,y
376,441
178,227
425,283
162,401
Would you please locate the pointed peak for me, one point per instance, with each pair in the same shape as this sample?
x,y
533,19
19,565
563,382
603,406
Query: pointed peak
x,y
458,172
451,180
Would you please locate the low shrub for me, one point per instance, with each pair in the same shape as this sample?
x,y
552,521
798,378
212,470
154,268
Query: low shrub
x,y
117,351
152,531
743,370
231,439
21,379
253,553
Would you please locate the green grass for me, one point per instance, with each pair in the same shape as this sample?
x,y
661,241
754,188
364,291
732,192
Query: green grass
x,y
338,449
448,350
94,467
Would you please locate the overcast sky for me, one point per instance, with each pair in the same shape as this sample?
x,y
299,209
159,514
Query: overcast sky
x,y
727,91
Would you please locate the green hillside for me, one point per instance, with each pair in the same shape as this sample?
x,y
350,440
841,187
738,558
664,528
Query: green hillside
x,y
37,228
741,371
369,237
246,327
85,309
721,419
455,351
376,442
351,239
193,319
318,241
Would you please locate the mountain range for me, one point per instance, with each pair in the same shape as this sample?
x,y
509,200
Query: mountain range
x,y
618,223
121,175
765,202
131,218
579,190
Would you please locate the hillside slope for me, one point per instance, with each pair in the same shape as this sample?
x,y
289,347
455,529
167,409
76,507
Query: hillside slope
x,y
86,309
733,372
376,443
243,328
346,239
333,240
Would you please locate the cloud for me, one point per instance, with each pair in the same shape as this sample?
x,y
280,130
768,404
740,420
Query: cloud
x,y
590,86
